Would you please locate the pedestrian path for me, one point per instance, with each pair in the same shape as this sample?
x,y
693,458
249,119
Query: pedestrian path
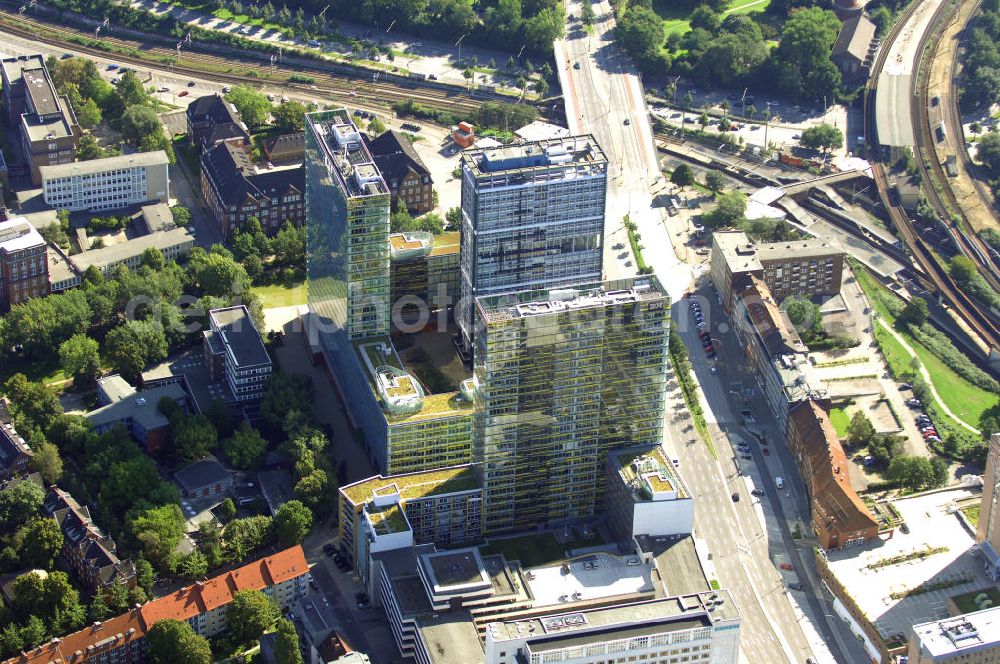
x,y
927,377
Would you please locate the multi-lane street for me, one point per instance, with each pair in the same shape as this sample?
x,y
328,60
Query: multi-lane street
x,y
603,96
750,538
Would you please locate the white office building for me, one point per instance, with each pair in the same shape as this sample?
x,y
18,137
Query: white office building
x,y
701,628
236,350
106,184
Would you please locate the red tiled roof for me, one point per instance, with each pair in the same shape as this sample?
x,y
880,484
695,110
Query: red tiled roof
x,y
205,596
830,486
186,603
89,642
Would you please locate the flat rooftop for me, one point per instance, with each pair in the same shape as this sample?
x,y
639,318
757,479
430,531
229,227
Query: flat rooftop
x,y
738,251
497,308
18,234
592,577
703,608
141,407
240,336
677,562
95,166
797,250
119,252
412,486
646,470
12,67
907,580
455,571
447,243
800,380
566,157
350,161
965,633
189,369
570,640
39,89
388,519
451,637
380,351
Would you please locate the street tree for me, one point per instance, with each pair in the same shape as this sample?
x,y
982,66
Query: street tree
x,y
290,116
914,314
715,181
822,137
730,211
252,104
47,462
682,176
245,449
42,542
286,647
860,431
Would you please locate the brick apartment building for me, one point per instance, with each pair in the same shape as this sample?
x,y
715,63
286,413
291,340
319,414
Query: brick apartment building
x,y
211,119
122,639
798,267
24,265
15,454
47,128
839,517
87,551
404,172
234,190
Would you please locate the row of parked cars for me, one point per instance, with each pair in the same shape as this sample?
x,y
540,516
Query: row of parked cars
x,y
703,333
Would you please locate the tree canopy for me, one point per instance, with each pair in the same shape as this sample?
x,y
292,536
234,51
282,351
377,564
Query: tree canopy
x,y
173,641
252,104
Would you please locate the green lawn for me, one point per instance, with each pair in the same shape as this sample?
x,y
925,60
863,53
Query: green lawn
x,y
44,370
281,295
537,550
972,514
963,398
839,420
675,19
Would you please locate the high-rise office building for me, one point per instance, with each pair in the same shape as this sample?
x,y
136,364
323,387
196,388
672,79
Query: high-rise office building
x,y
532,217
988,530
407,428
564,376
347,211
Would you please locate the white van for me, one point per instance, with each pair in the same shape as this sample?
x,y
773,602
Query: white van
x,y
778,482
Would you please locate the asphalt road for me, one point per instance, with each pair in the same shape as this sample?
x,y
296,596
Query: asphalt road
x,y
750,551
605,97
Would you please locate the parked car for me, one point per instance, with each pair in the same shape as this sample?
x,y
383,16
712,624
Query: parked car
x,y
182,93
112,67
330,548
795,586
757,492
736,497
786,566
315,42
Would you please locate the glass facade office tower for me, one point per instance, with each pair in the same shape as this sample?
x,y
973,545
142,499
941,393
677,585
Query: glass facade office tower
x,y
532,217
564,376
349,284
347,212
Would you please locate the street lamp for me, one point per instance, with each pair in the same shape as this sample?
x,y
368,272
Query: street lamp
x,y
459,45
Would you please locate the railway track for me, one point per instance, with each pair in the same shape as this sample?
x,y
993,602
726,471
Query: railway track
x,y
932,171
160,55
936,277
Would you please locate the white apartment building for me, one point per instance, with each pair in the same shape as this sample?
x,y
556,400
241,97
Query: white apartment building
x,y
106,184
